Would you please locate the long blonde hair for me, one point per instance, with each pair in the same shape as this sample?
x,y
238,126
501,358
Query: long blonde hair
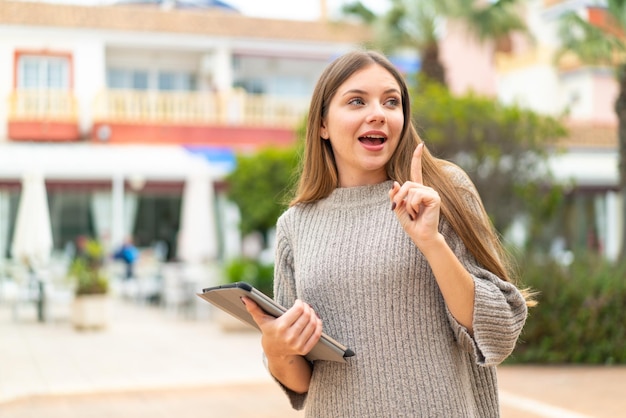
x,y
319,176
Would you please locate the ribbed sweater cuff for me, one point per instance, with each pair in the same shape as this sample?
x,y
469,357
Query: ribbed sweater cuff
x,y
297,400
497,321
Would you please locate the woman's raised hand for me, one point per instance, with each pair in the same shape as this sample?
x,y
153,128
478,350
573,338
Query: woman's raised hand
x,y
417,206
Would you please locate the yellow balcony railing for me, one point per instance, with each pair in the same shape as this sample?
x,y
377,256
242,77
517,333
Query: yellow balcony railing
x,y
232,108
45,105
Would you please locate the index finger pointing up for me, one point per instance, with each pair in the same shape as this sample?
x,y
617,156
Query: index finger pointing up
x,y
416,164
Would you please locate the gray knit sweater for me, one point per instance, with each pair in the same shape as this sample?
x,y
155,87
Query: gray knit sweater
x,y
348,257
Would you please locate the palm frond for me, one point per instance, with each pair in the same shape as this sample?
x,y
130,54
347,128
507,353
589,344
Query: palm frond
x,y
496,20
486,21
406,23
360,11
616,9
590,43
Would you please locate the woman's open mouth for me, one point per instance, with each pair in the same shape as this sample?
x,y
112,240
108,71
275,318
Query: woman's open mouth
x,y
372,139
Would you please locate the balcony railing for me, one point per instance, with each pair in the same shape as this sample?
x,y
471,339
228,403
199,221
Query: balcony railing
x,y
233,108
43,105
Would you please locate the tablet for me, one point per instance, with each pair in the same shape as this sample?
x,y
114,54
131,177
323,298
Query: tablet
x,y
227,297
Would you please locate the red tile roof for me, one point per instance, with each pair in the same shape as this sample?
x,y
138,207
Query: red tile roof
x,y
590,135
200,22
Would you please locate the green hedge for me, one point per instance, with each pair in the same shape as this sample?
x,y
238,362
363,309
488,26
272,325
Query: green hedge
x,y
581,315
251,271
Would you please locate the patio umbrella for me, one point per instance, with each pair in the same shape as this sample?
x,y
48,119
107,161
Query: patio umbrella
x,y
32,237
197,239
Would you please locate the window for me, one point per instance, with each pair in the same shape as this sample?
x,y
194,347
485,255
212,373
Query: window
x,y
70,216
127,79
43,72
136,79
140,80
158,220
252,86
176,81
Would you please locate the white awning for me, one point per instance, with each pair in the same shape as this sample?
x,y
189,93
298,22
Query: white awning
x,y
587,168
102,162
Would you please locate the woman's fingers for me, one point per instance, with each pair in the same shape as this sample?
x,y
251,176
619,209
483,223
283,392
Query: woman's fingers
x,y
258,315
417,208
411,197
295,332
416,164
302,331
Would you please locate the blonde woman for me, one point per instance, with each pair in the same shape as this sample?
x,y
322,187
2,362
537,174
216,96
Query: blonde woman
x,y
390,251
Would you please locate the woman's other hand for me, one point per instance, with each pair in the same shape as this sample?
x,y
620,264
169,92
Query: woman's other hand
x,y
294,333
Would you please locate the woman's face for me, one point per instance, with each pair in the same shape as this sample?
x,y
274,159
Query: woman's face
x,y
363,125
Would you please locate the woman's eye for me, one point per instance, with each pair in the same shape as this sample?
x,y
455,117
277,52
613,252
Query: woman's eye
x,y
393,102
356,101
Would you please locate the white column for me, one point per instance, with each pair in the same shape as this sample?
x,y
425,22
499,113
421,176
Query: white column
x,y
4,224
222,68
614,219
90,77
117,203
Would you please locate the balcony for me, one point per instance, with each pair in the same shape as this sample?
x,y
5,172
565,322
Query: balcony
x,y
233,119
43,115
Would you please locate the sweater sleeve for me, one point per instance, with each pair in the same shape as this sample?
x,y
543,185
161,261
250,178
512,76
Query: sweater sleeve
x,y
499,307
285,292
499,316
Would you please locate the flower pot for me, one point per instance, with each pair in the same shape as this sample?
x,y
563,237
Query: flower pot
x,y
90,312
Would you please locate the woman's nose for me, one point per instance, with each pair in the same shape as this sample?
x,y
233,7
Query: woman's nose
x,y
377,114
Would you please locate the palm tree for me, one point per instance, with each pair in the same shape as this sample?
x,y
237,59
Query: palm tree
x,y
491,20
603,44
407,24
414,24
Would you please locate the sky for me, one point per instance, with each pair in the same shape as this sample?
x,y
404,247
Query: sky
x,y
277,9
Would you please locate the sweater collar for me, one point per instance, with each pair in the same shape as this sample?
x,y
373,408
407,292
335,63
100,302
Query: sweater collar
x,y
357,196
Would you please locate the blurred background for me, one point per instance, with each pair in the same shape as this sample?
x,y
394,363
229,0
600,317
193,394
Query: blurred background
x,y
147,147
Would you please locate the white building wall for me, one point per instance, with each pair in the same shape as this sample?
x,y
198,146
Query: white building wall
x,y
577,95
614,221
6,79
88,56
606,91
531,79
89,78
222,68
534,87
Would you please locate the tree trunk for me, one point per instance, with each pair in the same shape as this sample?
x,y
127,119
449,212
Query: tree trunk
x,y
431,65
620,110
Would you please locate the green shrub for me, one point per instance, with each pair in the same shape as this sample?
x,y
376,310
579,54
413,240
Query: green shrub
x,y
86,269
252,272
580,317
89,280
261,185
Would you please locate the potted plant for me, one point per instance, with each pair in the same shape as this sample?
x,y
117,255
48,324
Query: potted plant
x,y
90,308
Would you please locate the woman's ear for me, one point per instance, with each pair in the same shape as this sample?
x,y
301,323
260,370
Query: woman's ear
x,y
324,132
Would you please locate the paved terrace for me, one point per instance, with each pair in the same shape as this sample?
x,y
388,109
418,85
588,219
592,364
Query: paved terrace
x,y
153,363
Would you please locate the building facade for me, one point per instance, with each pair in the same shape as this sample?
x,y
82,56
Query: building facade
x,y
119,106
584,97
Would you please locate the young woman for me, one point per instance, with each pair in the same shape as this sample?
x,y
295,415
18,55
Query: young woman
x,y
392,251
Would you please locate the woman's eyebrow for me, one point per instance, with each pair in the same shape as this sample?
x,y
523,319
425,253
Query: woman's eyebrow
x,y
363,92
354,91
